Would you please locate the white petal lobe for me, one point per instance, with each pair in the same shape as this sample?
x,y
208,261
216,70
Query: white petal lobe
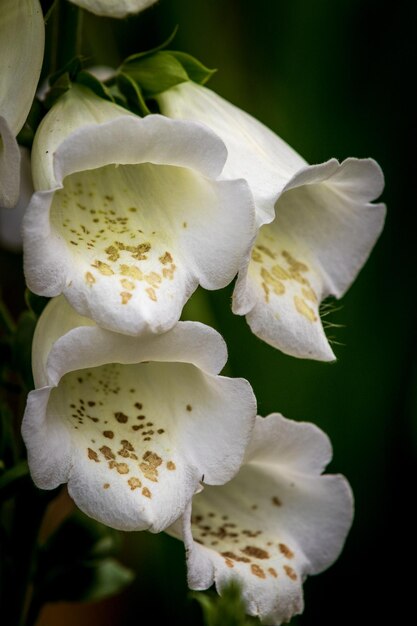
x,y
133,426
273,524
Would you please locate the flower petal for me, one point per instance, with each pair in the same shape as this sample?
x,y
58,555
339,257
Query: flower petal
x,y
276,522
255,153
135,424
77,108
9,167
317,223
114,8
22,37
324,230
137,221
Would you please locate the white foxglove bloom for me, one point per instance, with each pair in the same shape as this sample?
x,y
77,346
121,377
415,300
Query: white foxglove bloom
x,y
316,223
114,8
134,425
11,221
22,35
277,521
129,216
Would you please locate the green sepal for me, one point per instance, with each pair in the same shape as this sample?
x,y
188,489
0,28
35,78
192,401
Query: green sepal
x,y
77,563
161,70
72,68
133,94
155,73
61,86
61,81
196,71
94,84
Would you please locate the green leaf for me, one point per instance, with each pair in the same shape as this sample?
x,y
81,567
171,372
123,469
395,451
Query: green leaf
x,y
225,610
93,83
133,94
155,73
196,71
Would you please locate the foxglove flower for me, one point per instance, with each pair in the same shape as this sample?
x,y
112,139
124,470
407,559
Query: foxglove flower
x,y
316,223
114,8
134,425
129,216
22,35
277,521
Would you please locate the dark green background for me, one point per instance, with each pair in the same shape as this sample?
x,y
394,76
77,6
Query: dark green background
x,y
333,79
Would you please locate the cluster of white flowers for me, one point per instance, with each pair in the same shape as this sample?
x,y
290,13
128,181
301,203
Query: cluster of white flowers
x,y
129,215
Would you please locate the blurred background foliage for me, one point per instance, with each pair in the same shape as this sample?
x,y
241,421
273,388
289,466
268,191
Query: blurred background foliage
x,y
332,79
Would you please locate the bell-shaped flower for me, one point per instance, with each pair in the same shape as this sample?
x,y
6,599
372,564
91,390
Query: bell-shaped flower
x,y
277,521
316,223
22,35
129,216
114,8
133,425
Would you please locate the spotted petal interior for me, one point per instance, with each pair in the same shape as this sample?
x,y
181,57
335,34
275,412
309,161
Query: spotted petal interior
x,y
287,290
274,523
138,435
123,225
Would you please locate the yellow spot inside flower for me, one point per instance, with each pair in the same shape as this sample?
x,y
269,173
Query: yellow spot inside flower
x,y
153,279
125,296
303,308
279,272
127,284
146,493
284,549
266,250
290,572
134,483
132,271
296,266
151,293
92,455
309,294
89,278
169,272
103,268
166,258
257,571
276,285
